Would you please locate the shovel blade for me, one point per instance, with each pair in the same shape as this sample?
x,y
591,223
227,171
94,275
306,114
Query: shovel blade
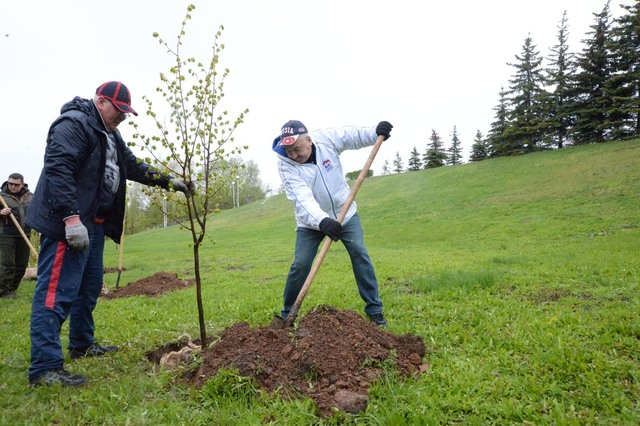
x,y
279,323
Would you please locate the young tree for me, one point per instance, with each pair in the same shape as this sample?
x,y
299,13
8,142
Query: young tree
x,y
526,93
435,155
386,169
558,117
479,149
414,160
455,150
193,142
398,166
592,100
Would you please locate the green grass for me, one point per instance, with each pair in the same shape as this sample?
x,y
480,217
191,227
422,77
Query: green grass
x,y
521,274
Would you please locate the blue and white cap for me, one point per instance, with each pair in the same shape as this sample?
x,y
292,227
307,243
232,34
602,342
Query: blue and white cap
x,y
290,131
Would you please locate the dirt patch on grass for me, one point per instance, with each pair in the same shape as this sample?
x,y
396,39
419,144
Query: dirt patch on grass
x,y
332,357
152,286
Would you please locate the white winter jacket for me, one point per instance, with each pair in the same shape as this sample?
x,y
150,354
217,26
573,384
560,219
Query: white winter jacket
x,y
320,190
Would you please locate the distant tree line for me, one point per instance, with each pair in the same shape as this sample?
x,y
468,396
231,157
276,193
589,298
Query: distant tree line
x,y
235,183
591,96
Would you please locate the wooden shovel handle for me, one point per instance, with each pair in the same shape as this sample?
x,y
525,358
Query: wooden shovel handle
x,y
15,222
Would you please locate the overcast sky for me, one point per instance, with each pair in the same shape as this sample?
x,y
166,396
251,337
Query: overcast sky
x,y
331,63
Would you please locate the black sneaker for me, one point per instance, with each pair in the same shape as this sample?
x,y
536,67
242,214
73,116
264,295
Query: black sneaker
x,y
378,319
93,350
59,376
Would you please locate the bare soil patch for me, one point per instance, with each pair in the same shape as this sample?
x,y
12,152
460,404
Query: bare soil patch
x,y
332,357
151,286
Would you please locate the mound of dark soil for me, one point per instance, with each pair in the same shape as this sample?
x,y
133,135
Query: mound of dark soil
x,y
154,285
332,357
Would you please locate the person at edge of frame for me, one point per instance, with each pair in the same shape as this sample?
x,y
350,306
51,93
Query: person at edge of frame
x,y
14,245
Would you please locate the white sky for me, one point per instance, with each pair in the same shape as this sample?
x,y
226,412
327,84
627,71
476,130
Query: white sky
x,y
421,65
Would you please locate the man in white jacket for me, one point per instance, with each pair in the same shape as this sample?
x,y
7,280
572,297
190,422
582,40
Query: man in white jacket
x,y
313,179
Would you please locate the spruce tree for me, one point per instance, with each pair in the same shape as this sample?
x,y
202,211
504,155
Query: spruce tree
x,y
398,166
385,168
558,116
593,101
526,94
624,84
415,163
497,144
455,150
479,150
435,156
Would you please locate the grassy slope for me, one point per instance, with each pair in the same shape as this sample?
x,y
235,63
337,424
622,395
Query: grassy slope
x,y
521,274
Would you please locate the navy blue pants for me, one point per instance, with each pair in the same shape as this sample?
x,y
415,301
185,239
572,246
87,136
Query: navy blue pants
x,y
307,243
68,285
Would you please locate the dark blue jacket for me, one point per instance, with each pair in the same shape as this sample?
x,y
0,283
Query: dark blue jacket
x,y
73,173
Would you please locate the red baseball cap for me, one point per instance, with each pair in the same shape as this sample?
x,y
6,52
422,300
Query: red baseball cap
x,y
118,94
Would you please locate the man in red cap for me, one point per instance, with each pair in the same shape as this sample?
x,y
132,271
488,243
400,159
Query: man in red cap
x,y
80,199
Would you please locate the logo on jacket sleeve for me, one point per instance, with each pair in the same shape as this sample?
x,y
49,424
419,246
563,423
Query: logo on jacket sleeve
x,y
328,166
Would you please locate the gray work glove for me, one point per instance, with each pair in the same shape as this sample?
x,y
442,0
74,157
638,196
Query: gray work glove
x,y
76,233
179,185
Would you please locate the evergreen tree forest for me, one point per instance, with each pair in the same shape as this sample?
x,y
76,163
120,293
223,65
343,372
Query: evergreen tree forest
x,y
560,98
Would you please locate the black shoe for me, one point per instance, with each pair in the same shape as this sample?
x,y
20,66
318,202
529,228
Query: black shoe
x,y
93,350
59,376
378,319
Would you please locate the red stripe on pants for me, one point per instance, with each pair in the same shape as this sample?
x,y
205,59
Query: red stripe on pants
x,y
55,275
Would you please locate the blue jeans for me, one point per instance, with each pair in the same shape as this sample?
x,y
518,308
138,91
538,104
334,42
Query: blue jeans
x,y
307,242
68,285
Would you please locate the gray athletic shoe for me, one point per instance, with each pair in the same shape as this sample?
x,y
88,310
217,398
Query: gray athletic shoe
x,y
93,350
59,376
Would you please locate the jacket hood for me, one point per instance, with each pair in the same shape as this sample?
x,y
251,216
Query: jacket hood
x,y
278,148
87,108
77,103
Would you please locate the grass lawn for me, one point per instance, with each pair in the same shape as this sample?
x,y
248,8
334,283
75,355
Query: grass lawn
x,y
521,274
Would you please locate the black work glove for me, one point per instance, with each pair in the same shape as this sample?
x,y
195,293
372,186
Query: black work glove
x,y
383,129
331,228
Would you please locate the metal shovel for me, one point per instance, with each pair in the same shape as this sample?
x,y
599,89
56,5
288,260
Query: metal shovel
x,y
278,321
